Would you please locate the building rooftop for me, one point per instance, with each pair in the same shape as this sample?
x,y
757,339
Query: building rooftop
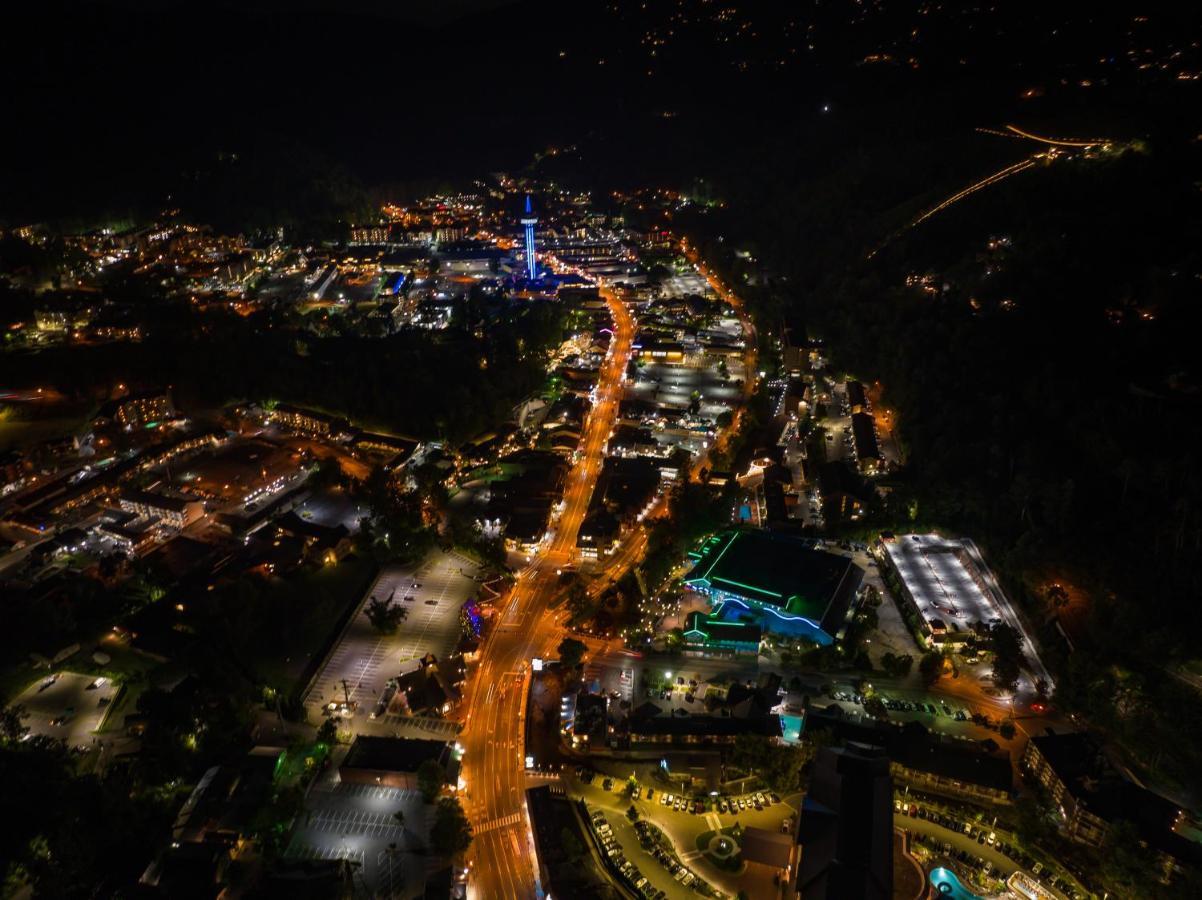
x,y
863,428
715,630
939,575
846,827
703,726
387,754
776,570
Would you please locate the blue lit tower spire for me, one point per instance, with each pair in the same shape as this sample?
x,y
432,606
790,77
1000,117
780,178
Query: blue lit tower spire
x,y
529,220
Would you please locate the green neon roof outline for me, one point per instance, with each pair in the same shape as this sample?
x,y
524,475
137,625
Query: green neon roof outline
x,y
750,587
733,536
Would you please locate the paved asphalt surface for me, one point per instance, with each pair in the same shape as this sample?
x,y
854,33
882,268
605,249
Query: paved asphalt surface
x,y
502,854
68,698
358,822
365,659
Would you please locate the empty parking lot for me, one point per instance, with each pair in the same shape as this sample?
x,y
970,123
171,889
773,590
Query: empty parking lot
x,y
364,659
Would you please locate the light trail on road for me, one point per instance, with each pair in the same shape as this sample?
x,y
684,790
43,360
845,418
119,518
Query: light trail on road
x,y
502,860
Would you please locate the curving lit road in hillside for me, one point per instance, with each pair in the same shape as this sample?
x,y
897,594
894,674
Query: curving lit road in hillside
x,y
502,855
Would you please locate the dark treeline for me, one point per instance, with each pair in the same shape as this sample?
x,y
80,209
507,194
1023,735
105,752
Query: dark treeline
x,y
454,385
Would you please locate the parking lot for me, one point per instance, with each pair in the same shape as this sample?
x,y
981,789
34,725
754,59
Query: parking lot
x,y
681,826
358,822
674,385
364,659
331,507
975,844
67,706
685,284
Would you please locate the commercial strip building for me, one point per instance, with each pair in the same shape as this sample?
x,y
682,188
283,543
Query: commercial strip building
x,y
777,581
394,762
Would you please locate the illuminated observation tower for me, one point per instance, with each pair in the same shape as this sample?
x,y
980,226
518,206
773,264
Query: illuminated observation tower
x,y
529,221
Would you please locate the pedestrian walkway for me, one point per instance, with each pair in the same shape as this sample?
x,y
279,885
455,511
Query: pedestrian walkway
x,y
505,822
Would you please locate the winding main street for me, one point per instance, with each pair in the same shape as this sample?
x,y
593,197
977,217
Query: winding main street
x,y
502,857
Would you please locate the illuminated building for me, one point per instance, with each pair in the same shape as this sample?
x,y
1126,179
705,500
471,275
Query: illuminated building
x,y
776,581
394,762
178,512
529,220
707,633
138,410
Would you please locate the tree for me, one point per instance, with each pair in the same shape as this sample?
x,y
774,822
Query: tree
x,y
1007,656
1041,690
1057,597
430,778
632,814
1005,672
385,617
327,732
399,815
1007,730
875,707
930,667
451,833
1124,863
571,652
1033,819
12,729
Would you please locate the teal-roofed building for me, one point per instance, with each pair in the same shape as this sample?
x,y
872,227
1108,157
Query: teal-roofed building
x,y
704,632
776,581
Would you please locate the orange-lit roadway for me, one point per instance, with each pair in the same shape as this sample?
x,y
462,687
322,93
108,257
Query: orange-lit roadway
x,y
501,857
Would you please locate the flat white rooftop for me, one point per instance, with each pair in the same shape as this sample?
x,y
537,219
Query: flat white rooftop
x,y
938,572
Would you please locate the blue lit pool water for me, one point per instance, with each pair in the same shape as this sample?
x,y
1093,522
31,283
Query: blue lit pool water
x,y
948,885
791,728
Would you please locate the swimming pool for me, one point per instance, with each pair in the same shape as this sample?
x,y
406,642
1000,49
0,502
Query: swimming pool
x,y
791,728
948,885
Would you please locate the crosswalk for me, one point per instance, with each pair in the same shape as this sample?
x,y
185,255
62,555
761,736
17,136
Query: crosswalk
x,y
504,822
